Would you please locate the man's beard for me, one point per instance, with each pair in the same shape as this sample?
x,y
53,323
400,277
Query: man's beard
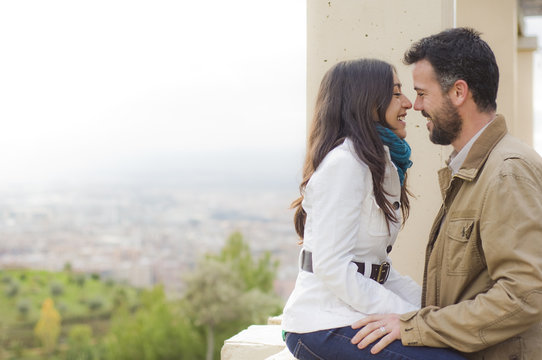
x,y
446,124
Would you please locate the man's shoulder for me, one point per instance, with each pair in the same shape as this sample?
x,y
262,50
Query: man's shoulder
x,y
510,147
511,155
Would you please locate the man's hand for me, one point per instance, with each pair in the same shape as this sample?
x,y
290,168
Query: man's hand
x,y
385,326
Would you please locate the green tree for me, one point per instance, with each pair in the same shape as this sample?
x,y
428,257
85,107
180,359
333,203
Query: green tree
x,y
255,273
80,344
212,296
120,299
158,330
229,291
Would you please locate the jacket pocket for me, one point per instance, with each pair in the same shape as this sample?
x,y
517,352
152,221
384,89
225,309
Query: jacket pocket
x,y
459,233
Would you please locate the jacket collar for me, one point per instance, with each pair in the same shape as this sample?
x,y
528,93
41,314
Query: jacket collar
x,y
482,147
477,155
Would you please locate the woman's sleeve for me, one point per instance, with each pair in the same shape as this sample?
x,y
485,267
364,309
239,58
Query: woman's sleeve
x,y
405,287
337,191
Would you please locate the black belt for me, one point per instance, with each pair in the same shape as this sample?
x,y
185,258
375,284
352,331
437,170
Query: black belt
x,y
379,273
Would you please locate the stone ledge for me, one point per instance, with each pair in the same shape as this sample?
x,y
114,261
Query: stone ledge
x,y
257,342
283,355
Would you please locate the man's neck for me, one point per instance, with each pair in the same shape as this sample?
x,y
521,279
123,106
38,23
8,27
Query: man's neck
x,y
471,125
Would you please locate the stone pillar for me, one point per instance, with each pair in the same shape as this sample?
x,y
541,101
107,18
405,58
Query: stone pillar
x,y
498,23
526,48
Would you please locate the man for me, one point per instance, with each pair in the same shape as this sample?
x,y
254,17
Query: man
x,y
482,289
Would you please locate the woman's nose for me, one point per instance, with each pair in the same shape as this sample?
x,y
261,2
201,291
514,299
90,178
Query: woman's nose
x,y
406,103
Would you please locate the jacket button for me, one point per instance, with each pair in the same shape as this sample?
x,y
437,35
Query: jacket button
x,y
396,205
388,249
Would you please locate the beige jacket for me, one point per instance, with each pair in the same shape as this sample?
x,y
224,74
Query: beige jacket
x,y
482,289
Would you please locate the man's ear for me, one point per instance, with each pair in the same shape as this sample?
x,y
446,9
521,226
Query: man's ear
x,y
459,92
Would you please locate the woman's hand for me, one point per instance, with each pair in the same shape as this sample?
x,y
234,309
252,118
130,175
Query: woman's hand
x,y
374,327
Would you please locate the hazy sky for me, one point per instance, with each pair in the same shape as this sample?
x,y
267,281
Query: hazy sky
x,y
83,83
101,84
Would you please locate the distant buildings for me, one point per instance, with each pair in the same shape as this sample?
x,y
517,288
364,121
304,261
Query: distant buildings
x,y
145,235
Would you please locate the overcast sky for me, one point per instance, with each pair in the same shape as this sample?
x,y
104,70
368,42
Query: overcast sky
x,y
100,84
83,83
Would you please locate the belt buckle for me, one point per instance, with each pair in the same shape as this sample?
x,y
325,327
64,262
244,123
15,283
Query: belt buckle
x,y
383,272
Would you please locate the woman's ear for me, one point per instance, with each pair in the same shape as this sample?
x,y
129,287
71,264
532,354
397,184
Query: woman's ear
x,y
459,92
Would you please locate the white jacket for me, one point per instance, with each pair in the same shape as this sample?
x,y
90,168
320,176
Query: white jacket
x,y
344,224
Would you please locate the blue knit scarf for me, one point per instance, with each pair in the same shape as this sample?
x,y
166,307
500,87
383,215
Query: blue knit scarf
x,y
399,150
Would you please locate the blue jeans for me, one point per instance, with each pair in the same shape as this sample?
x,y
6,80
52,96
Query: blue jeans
x,y
335,344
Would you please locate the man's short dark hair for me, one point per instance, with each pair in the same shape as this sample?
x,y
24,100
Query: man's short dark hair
x,y
460,54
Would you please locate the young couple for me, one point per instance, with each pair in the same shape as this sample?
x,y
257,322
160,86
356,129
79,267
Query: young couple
x,y
482,293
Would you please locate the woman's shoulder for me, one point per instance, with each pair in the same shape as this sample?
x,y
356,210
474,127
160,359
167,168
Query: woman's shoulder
x,y
344,155
342,160
340,173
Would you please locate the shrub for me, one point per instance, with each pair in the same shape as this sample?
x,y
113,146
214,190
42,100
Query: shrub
x,y
62,308
68,267
120,298
23,307
80,280
158,330
95,304
80,343
12,290
39,280
57,289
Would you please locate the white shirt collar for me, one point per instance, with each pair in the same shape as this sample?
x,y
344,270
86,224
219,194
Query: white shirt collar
x,y
457,158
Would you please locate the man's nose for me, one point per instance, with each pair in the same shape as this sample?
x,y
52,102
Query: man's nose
x,y
418,104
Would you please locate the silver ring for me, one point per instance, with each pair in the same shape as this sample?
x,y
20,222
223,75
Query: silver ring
x,y
382,329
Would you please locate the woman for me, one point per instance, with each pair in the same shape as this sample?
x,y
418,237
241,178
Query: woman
x,y
348,215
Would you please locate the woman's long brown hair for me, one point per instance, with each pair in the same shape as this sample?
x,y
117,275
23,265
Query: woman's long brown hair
x,y
353,97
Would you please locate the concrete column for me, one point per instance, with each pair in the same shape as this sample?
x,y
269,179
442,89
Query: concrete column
x,y
526,48
347,29
498,23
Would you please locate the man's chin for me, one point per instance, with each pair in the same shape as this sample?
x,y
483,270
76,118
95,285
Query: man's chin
x,y
437,140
